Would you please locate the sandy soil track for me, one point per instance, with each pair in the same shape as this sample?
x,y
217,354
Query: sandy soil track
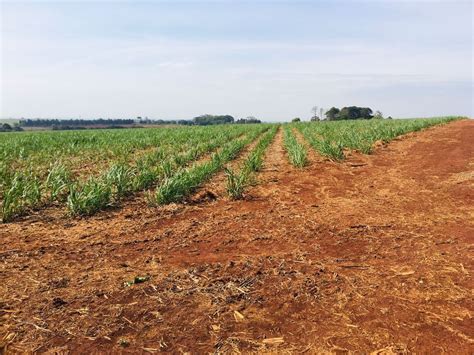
x,y
374,254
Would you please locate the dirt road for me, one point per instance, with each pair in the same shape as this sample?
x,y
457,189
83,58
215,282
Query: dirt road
x,y
372,254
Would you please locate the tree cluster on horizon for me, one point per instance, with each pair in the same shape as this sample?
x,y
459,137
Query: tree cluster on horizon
x,y
349,113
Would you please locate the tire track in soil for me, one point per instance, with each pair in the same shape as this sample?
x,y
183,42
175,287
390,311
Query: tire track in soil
x,y
243,224
285,185
276,167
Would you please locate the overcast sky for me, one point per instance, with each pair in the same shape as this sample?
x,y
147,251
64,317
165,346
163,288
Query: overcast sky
x,y
271,59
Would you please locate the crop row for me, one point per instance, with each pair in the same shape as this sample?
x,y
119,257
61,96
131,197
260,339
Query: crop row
x,y
238,181
330,139
296,151
187,180
38,169
88,152
24,191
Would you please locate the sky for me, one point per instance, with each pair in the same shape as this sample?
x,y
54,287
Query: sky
x,y
274,60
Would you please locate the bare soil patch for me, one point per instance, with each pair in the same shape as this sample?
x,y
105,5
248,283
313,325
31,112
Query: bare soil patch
x,y
372,254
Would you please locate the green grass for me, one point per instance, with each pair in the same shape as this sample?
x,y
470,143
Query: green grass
x,y
296,151
23,192
236,183
89,198
39,168
180,185
254,161
57,182
123,179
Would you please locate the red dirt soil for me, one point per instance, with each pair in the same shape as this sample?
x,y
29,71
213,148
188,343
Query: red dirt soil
x,y
370,255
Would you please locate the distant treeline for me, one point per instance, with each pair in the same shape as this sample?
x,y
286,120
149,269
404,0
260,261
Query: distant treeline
x,y
74,123
6,127
203,120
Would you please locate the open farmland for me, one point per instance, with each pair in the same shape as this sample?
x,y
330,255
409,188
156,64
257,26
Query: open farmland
x,y
321,236
89,171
